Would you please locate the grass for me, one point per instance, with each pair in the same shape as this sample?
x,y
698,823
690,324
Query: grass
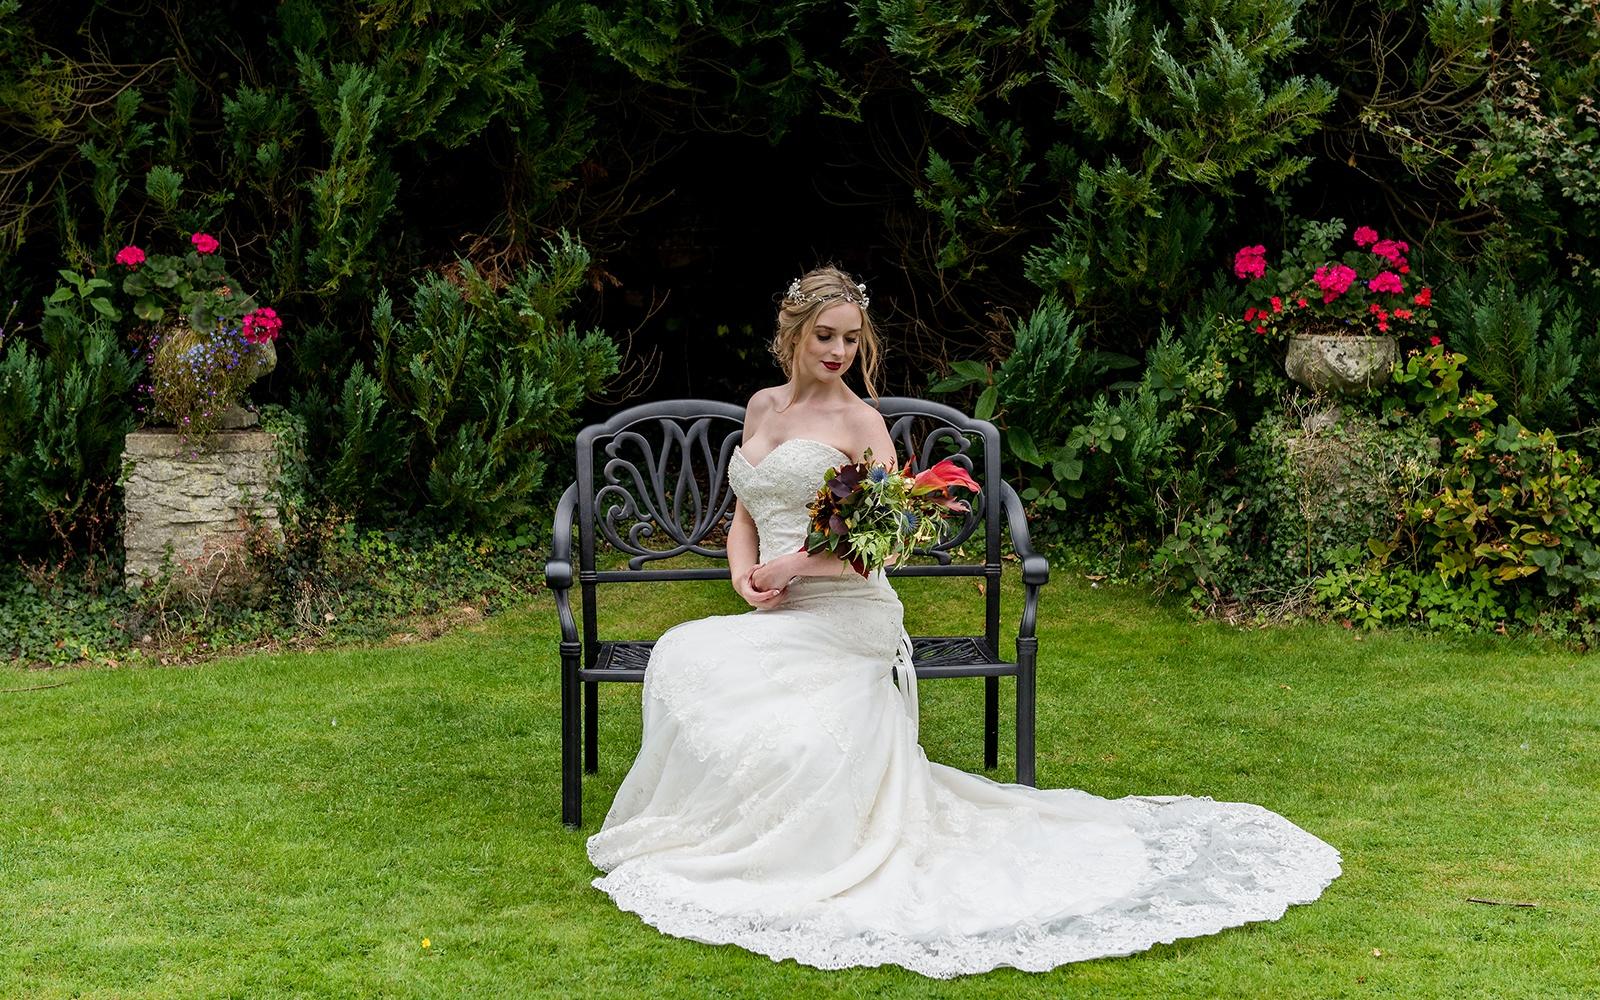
x,y
296,825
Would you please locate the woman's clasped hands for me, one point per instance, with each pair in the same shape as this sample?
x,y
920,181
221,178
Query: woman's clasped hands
x,y
765,584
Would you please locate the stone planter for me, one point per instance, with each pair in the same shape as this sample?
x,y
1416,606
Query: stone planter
x,y
202,506
1340,363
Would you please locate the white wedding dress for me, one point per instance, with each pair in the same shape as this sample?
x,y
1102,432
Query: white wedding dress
x,y
781,802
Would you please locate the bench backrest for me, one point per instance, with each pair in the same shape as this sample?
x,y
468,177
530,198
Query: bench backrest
x,y
653,484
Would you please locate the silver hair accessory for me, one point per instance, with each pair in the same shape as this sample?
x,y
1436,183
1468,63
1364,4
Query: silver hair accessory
x,y
856,293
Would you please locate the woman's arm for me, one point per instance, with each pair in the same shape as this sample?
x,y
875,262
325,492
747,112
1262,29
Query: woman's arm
x,y
744,543
743,551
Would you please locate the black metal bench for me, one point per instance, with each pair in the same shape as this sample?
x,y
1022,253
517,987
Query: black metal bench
x,y
653,484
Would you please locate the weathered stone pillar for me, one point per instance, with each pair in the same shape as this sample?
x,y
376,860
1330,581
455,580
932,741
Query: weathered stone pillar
x,y
202,504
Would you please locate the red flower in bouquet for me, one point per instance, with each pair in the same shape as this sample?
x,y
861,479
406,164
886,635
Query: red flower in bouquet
x,y
867,514
937,480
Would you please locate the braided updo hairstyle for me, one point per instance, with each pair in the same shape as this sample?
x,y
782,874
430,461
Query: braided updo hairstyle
x,y
817,290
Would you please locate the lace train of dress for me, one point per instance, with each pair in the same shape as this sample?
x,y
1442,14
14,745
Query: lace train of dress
x,y
780,801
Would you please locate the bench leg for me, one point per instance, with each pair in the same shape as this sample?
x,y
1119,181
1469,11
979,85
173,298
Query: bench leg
x,y
1027,658
591,726
571,763
991,723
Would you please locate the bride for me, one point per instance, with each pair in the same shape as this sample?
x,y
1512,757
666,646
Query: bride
x,y
780,800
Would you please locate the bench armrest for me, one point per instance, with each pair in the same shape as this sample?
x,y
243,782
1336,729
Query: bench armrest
x,y
558,568
1035,567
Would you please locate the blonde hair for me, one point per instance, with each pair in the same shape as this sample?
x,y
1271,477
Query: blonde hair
x,y
817,290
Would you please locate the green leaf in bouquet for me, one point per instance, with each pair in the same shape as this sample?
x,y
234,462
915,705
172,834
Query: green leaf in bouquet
x,y
147,309
166,277
105,309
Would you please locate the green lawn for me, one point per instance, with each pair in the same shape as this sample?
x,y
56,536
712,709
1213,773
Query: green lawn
x,y
297,825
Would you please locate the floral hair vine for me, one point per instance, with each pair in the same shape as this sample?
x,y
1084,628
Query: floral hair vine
x,y
856,293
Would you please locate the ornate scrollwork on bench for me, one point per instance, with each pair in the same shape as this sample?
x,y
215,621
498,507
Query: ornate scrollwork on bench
x,y
665,494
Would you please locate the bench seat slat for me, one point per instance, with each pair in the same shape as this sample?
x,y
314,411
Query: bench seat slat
x,y
934,656
721,573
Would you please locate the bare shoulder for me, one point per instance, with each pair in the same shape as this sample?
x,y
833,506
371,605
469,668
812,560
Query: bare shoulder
x,y
761,404
764,400
869,430
864,417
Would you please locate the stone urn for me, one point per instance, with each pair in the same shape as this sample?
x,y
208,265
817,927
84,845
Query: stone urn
x,y
263,358
1340,362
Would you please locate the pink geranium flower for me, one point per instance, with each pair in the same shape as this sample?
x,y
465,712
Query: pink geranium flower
x,y
1386,281
130,256
204,243
1334,280
1365,235
262,325
1250,262
1393,251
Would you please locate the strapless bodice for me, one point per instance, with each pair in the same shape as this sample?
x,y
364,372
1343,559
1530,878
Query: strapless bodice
x,y
778,489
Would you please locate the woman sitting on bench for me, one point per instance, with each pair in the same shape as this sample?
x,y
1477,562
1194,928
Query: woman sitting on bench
x,y
780,800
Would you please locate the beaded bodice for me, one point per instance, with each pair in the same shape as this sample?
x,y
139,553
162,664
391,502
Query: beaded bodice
x,y
777,490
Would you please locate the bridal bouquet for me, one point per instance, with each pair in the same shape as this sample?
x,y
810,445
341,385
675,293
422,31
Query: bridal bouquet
x,y
865,513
